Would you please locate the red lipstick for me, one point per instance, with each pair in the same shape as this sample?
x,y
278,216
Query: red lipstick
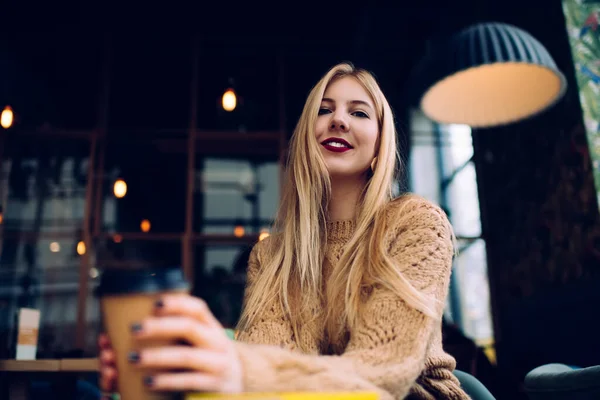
x,y
336,145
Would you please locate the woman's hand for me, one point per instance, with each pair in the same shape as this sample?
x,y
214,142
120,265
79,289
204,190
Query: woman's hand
x,y
108,369
209,361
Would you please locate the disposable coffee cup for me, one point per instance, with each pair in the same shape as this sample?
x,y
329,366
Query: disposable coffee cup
x,y
127,297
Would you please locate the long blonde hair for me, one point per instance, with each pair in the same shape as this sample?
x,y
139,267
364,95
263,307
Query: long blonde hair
x,y
292,270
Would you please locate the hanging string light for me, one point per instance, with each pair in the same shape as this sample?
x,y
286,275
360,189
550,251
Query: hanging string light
x,y
145,225
229,100
81,247
7,117
120,188
239,231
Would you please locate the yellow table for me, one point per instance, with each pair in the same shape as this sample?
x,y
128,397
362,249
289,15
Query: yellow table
x,y
285,396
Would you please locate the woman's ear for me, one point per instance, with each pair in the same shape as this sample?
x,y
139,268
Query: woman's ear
x,y
374,164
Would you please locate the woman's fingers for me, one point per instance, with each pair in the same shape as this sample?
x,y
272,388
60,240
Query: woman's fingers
x,y
180,358
189,306
181,328
108,378
103,341
107,357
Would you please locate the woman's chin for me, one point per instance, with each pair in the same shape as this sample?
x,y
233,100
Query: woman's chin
x,y
347,173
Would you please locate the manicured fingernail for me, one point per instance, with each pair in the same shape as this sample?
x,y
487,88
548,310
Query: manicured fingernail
x,y
136,328
148,381
159,304
133,357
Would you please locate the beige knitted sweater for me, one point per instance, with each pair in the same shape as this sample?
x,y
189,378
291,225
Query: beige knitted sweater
x,y
396,351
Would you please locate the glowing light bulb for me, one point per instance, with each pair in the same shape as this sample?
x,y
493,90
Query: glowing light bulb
x,y
6,119
239,231
120,188
145,225
229,100
81,248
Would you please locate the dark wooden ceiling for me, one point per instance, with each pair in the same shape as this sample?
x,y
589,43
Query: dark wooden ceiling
x,y
52,54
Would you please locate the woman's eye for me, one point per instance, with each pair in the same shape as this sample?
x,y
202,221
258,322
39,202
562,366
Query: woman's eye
x,y
360,114
323,111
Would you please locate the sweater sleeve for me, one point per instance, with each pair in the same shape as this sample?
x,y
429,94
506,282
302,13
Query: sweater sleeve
x,y
386,352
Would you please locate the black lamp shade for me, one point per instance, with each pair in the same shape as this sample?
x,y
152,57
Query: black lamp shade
x,y
492,74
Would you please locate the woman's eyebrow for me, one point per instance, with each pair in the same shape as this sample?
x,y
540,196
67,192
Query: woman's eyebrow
x,y
355,102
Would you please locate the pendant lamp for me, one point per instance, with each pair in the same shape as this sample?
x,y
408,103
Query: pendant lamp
x,y
491,74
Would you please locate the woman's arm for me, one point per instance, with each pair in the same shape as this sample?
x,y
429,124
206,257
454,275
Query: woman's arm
x,y
386,352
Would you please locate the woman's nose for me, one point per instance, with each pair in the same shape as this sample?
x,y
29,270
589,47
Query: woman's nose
x,y
338,123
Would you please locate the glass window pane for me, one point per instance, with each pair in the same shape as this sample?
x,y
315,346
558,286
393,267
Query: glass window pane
x,y
463,202
43,184
119,251
470,267
43,196
237,193
220,279
459,145
41,273
154,170
422,164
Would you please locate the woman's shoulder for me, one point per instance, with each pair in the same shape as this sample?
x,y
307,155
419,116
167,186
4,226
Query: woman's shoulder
x,y
410,207
419,233
264,247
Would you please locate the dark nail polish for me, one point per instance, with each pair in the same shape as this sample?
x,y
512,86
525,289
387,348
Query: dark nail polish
x,y
133,357
136,328
148,381
159,304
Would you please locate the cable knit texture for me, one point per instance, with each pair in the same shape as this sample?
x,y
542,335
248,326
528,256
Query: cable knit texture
x,y
395,351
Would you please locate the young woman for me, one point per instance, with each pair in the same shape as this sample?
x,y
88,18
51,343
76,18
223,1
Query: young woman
x,y
348,296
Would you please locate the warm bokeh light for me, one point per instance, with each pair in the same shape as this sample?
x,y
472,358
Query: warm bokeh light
x,y
120,188
54,247
117,238
239,231
263,234
145,225
94,273
81,248
6,119
1,217
229,100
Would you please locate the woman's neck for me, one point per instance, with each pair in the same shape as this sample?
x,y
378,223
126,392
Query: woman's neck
x,y
345,195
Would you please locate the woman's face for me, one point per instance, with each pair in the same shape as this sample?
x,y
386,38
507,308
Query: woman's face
x,y
347,129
